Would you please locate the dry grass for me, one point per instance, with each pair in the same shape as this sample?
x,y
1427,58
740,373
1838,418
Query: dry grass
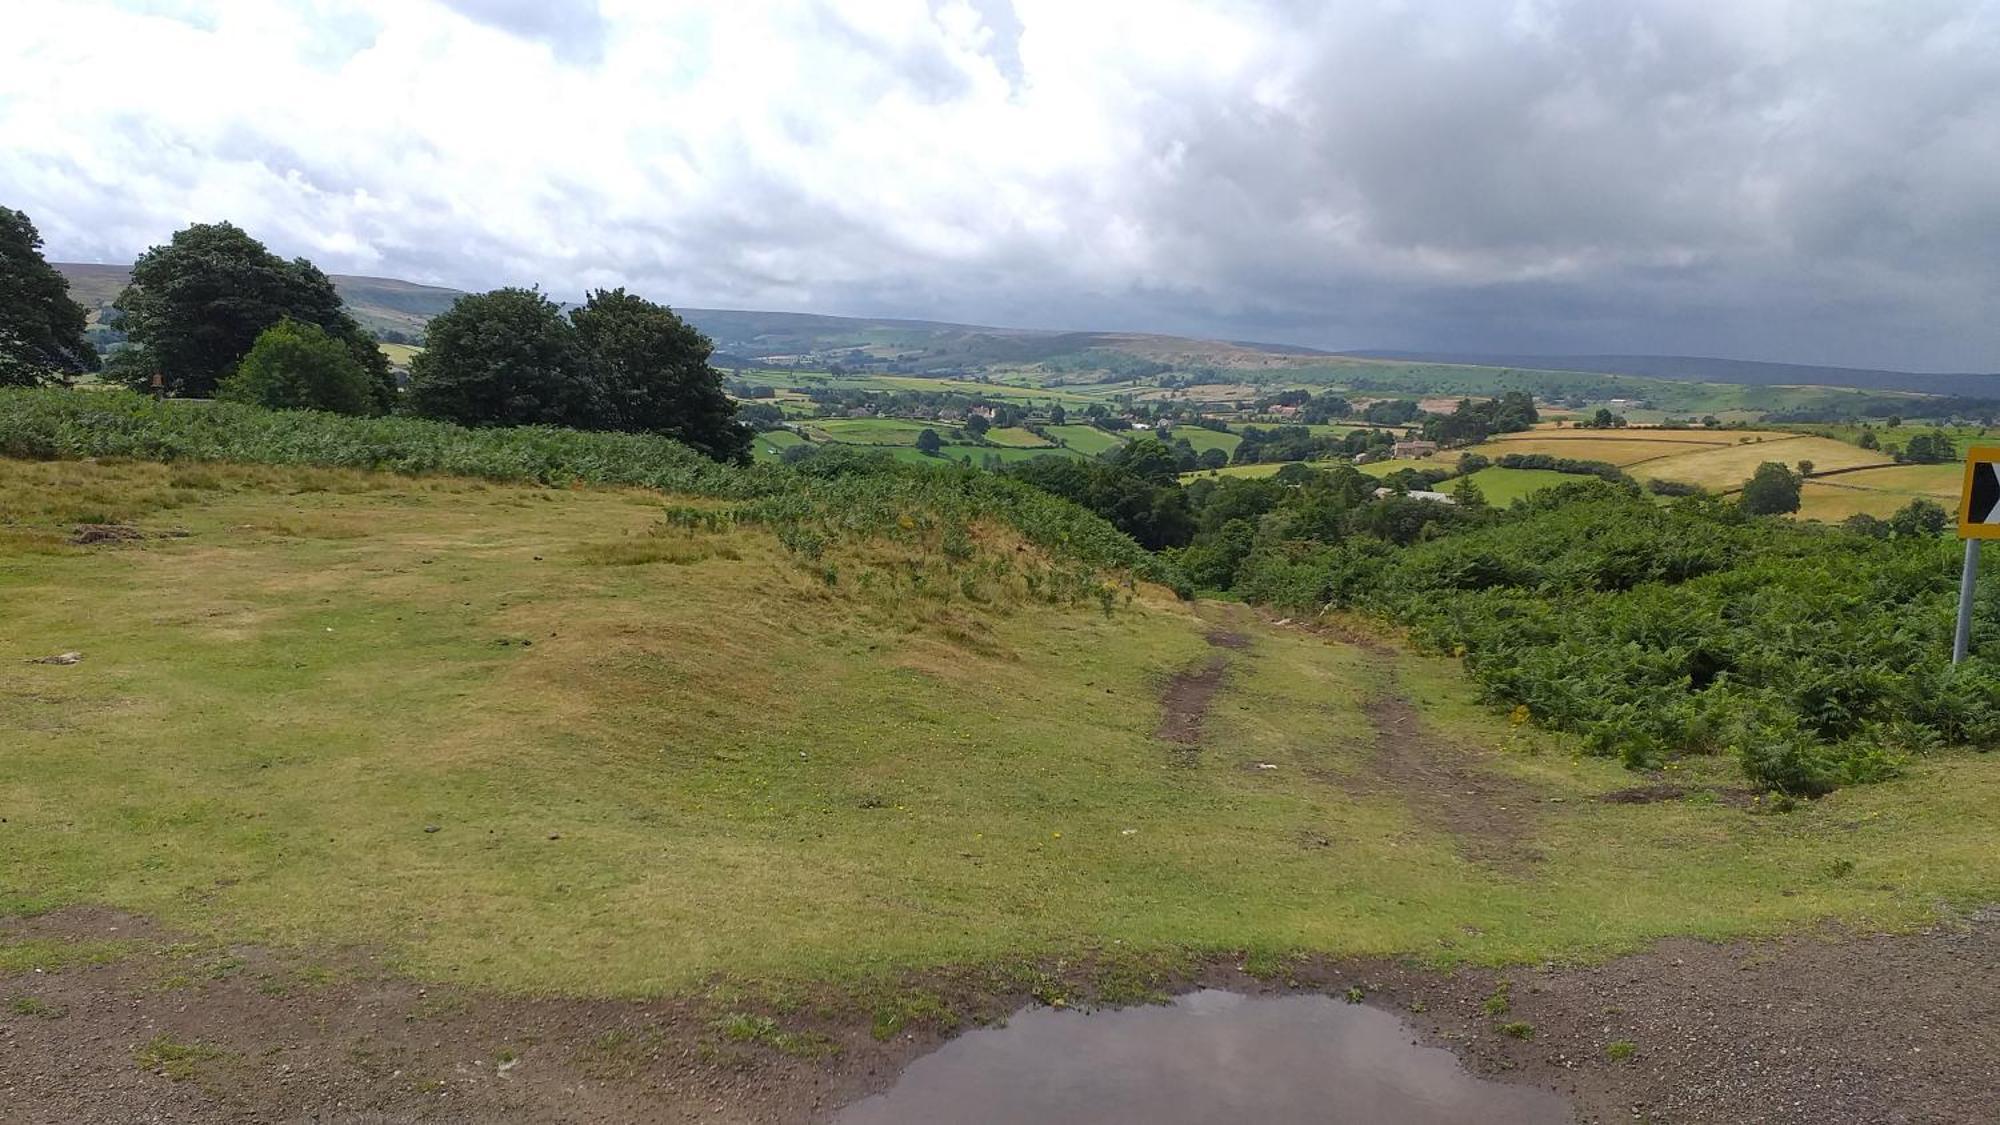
x,y
1728,467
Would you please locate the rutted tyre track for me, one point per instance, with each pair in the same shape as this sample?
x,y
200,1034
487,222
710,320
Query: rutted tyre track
x,y
1485,813
1185,701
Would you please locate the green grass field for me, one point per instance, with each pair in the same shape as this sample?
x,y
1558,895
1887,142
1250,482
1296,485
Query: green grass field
x,y
544,740
1018,438
1205,440
1504,486
877,431
771,444
1087,440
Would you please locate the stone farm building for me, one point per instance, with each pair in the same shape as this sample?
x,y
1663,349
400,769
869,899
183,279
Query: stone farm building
x,y
1410,449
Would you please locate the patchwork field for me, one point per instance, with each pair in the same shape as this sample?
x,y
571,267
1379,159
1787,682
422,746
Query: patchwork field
x,y
1880,492
1726,468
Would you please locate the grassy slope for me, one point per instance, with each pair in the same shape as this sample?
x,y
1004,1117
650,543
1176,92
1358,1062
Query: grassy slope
x,y
755,774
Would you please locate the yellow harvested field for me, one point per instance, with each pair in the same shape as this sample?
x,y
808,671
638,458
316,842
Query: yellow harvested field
x,y
1728,467
1925,480
1879,492
1595,445
1831,504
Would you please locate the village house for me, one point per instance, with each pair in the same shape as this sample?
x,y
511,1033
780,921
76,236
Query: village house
x,y
1403,450
1418,494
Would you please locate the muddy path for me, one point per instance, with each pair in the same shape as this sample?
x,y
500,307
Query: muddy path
x,y
1447,787
1816,1028
1185,699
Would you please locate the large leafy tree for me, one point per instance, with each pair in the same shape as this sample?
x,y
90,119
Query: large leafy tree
x,y
41,329
299,366
507,358
196,306
653,367
1773,490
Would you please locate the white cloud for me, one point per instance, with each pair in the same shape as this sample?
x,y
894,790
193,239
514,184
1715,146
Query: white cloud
x,y
1779,178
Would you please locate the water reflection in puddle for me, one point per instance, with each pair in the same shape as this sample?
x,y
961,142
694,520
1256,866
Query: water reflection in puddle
x,y
1209,1056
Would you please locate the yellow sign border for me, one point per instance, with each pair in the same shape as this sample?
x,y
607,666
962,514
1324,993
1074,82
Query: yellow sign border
x,y
1982,455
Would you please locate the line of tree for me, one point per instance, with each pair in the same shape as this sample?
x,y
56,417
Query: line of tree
x,y
196,306
214,313
1477,420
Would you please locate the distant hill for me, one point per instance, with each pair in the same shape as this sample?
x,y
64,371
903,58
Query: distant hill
x,y
1703,369
400,310
380,304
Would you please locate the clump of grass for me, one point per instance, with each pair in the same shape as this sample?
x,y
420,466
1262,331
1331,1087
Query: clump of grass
x,y
173,1058
1620,1050
43,955
1518,1030
1501,1001
34,1006
1354,994
743,1027
895,1015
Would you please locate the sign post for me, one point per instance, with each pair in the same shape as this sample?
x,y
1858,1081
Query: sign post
x,y
1978,520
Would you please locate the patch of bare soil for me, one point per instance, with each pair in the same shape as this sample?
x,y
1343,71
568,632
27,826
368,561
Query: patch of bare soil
x,y
239,1035
1185,700
1487,813
89,534
1655,792
1811,1029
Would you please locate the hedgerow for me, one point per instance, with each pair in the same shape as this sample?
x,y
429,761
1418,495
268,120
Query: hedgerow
x,y
827,500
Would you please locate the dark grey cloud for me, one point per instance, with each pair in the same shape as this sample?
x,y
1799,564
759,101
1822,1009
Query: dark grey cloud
x,y
1771,179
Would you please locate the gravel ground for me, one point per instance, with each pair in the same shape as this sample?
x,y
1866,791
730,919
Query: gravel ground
x,y
1810,1029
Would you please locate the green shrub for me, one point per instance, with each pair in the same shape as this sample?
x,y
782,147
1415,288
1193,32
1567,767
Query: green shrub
x,y
295,366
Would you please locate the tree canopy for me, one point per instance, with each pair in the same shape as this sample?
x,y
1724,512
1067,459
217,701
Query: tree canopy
x,y
510,357
505,358
41,329
1773,490
653,368
197,305
298,366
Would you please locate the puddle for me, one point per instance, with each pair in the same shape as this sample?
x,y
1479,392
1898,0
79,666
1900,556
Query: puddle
x,y
1209,1056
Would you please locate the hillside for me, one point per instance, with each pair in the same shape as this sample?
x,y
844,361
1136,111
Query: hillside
x,y
1708,369
1141,362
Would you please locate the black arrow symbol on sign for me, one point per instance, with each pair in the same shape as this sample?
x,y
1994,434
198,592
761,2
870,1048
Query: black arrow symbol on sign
x,y
1985,493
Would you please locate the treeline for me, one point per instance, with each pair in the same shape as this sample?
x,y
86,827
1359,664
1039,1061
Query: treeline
x,y
1262,445
214,314
1476,420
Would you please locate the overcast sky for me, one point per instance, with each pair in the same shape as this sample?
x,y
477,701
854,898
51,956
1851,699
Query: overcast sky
x,y
1804,180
